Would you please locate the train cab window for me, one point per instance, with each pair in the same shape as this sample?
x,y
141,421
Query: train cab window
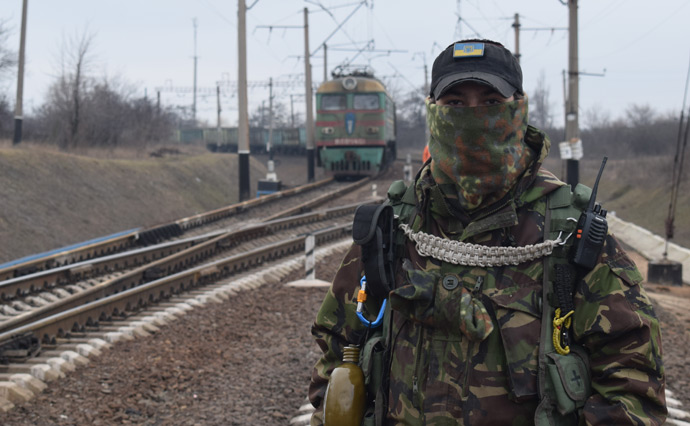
x,y
366,101
333,102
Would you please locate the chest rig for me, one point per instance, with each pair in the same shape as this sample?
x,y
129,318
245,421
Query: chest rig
x,y
563,376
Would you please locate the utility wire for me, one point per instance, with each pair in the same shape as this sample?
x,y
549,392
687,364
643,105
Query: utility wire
x,y
318,3
338,27
645,35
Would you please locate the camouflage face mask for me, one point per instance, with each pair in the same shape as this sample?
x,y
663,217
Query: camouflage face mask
x,y
479,149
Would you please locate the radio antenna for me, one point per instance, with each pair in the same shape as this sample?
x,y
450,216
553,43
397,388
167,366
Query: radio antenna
x,y
590,207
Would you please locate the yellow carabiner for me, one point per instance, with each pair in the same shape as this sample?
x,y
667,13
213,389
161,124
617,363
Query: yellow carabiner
x,y
558,323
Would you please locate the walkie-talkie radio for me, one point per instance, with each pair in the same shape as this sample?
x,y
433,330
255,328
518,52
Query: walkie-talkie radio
x,y
591,230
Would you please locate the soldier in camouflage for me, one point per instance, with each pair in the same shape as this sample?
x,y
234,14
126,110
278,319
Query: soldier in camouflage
x,y
465,338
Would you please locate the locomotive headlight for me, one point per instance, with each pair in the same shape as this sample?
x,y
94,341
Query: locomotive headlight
x,y
372,130
327,130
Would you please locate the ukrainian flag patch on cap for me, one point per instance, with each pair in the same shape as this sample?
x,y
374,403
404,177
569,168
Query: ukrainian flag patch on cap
x,y
466,50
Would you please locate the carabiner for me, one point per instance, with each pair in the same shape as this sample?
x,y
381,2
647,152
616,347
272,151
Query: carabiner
x,y
361,297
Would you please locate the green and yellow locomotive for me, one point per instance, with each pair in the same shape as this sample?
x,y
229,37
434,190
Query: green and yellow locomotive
x,y
355,125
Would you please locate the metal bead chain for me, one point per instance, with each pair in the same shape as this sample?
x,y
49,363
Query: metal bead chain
x,y
459,253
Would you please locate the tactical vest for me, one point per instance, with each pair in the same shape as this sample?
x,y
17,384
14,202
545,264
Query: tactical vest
x,y
563,368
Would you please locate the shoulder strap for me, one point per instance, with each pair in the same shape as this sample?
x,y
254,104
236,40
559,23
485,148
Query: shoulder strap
x,y
402,198
563,377
372,229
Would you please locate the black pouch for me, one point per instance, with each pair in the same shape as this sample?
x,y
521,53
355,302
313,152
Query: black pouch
x,y
372,229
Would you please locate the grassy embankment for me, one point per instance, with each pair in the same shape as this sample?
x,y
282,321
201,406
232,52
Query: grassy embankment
x,y
639,191
51,199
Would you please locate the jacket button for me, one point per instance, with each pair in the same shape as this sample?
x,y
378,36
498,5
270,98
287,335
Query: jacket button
x,y
450,282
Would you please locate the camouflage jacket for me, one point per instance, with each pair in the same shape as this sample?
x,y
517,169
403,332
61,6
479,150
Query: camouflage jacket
x,y
450,368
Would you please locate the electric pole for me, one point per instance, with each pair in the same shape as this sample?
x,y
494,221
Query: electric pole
x,y
18,109
195,59
270,118
219,141
427,131
572,130
325,62
243,124
292,112
516,25
310,112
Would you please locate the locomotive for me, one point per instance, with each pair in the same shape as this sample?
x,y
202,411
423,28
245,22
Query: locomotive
x,y
355,125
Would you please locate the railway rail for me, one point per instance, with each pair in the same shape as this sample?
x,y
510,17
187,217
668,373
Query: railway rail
x,y
77,284
97,270
87,261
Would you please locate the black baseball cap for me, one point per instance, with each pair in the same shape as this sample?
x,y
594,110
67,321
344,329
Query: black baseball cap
x,y
484,61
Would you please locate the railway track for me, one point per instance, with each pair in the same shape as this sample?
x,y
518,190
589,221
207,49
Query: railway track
x,y
77,292
35,296
302,198
20,290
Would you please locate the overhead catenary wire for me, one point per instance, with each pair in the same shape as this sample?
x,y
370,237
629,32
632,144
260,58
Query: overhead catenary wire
x,y
338,27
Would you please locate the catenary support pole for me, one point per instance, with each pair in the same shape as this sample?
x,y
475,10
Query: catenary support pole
x,y
572,129
308,95
516,25
18,107
325,62
427,132
218,138
269,145
195,63
243,125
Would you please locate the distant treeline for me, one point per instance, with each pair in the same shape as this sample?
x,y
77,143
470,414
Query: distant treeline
x,y
641,131
82,112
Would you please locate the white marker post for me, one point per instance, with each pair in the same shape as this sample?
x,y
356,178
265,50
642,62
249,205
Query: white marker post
x,y
407,169
310,259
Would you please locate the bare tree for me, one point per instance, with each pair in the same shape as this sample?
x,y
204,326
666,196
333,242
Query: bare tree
x,y
642,115
78,57
8,57
641,132
540,106
411,120
63,107
84,110
596,117
261,116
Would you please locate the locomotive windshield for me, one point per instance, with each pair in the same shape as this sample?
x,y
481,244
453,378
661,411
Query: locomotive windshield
x,y
366,101
333,102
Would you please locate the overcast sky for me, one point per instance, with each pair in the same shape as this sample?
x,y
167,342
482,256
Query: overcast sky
x,y
641,47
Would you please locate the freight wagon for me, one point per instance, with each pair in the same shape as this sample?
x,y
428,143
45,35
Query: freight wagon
x,y
290,141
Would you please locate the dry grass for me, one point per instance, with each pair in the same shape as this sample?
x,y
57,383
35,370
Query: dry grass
x,y
51,198
143,151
